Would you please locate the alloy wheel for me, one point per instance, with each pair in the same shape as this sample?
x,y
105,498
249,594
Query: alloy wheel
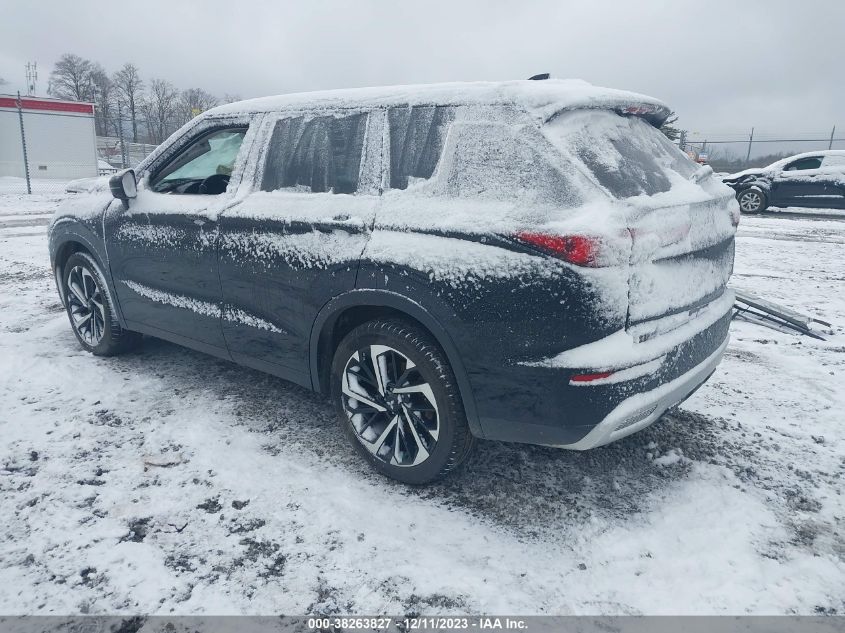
x,y
85,301
390,405
750,201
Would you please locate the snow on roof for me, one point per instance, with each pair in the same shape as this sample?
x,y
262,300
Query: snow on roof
x,y
542,98
821,152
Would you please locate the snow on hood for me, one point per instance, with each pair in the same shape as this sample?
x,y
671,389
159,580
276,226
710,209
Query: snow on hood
x,y
88,185
754,171
543,98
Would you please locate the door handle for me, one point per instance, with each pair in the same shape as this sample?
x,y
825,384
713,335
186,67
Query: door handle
x,y
341,217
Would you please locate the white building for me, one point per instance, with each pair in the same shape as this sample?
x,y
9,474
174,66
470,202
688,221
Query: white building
x,y
61,142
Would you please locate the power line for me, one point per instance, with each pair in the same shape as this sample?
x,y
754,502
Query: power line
x,y
769,140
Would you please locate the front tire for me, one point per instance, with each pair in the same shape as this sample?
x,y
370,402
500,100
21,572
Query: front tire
x,y
88,304
398,402
752,200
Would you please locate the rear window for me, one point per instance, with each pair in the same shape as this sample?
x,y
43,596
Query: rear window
x,y
320,154
834,160
627,156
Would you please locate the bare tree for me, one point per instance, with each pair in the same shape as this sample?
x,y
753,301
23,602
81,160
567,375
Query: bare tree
x,y
160,109
130,88
192,102
104,94
71,78
231,97
3,81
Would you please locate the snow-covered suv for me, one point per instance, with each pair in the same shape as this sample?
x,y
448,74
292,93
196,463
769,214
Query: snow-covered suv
x,y
528,261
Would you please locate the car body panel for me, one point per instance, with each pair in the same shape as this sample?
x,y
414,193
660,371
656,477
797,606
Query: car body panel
x,y
163,254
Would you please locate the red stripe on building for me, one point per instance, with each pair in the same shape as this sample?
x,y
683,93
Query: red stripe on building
x,y
52,106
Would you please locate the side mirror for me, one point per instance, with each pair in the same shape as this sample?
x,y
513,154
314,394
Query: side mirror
x,y
123,185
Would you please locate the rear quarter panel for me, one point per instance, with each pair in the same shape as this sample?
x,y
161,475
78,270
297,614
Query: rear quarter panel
x,y
499,306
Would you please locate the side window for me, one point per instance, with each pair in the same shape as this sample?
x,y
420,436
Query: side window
x,y
319,154
804,163
500,162
834,160
204,167
416,141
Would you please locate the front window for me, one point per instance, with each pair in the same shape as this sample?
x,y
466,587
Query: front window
x,y
804,163
204,167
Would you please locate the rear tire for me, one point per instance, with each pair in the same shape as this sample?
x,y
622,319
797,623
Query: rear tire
x,y
88,302
752,200
398,402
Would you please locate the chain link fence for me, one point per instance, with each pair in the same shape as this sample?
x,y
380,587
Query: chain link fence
x,y
43,147
731,152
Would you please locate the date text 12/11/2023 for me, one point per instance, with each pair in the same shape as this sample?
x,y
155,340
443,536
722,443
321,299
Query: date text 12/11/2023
x,y
421,623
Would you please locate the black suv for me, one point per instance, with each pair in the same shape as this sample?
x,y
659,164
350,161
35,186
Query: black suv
x,y
528,261
814,179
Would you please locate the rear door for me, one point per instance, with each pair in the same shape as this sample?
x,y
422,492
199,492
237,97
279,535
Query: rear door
x,y
295,242
162,249
833,166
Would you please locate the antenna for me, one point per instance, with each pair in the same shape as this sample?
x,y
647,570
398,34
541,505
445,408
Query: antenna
x,y
31,77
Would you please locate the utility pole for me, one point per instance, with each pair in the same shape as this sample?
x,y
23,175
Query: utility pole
x,y
23,145
750,140
832,132
31,78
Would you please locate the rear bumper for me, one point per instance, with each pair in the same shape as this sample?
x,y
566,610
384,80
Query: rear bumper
x,y
538,404
642,409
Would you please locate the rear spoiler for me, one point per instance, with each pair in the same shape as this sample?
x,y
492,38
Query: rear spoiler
x,y
655,113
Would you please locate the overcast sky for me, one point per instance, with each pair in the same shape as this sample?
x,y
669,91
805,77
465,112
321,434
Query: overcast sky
x,y
723,66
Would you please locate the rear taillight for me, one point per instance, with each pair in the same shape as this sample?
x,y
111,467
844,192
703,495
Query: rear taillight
x,y
580,250
582,378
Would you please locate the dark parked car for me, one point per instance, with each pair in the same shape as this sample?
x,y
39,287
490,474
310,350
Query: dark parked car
x,y
529,261
814,179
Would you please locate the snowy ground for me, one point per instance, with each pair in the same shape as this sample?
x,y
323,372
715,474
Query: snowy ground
x,y
10,185
167,481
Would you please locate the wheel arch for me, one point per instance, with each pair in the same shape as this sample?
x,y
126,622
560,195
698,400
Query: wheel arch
x,y
347,311
764,194
66,244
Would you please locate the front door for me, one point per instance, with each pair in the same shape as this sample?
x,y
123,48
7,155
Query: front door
x,y
162,249
799,184
289,248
